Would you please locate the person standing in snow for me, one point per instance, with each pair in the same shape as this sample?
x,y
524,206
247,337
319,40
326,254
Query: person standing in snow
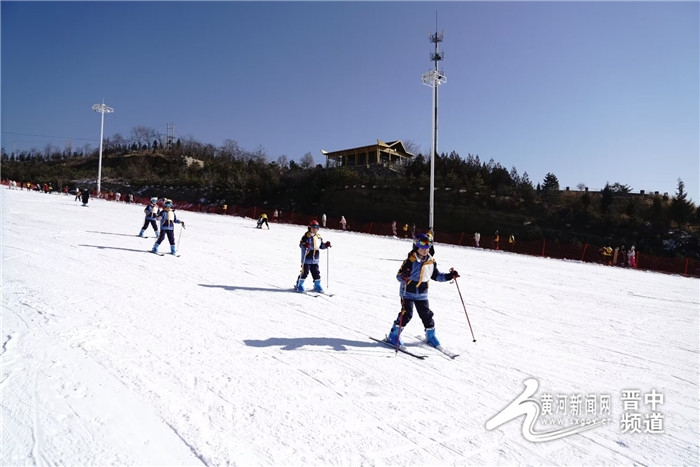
x,y
168,219
86,197
414,275
343,222
151,212
311,243
632,257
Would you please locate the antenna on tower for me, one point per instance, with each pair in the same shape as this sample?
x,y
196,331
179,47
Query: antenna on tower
x,y
434,78
436,38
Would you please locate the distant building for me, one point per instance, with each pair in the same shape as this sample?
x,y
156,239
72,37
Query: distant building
x,y
382,154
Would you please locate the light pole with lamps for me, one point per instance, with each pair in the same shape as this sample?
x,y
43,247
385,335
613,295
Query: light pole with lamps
x,y
103,109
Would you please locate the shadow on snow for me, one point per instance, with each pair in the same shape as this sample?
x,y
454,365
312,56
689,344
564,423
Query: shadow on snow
x,y
102,247
114,233
254,289
294,343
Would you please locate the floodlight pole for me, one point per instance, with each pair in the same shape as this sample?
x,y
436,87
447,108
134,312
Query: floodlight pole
x,y
101,108
434,78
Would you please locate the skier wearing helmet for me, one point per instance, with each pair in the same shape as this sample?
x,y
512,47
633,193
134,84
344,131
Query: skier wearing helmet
x,y
414,275
168,219
310,244
151,213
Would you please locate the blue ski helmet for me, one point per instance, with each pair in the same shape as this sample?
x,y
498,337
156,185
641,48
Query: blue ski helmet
x,y
423,241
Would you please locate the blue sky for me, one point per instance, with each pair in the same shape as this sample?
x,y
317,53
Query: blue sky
x,y
593,92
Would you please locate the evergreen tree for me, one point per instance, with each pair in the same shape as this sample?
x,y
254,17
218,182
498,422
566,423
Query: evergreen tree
x,y
550,186
550,183
606,199
681,209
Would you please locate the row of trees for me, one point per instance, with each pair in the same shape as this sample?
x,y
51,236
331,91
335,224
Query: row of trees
x,y
472,195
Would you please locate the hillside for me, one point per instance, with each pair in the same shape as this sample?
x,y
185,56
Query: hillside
x,y
470,195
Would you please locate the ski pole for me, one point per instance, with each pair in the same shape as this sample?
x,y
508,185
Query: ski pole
x,y
179,237
328,260
303,257
398,335
465,309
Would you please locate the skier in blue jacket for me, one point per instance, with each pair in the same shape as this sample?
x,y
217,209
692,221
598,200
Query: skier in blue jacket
x,y
311,243
168,219
414,275
151,212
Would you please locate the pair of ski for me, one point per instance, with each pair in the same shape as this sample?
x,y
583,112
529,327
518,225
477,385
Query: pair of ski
x,y
177,255
318,294
313,293
403,349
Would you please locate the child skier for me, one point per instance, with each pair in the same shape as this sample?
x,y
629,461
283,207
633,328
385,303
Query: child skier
x,y
310,245
263,220
151,212
168,219
85,196
415,274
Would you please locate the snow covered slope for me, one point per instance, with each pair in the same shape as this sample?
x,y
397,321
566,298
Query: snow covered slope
x,y
112,355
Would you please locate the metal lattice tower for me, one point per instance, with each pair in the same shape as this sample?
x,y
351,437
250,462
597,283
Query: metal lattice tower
x,y
434,78
170,134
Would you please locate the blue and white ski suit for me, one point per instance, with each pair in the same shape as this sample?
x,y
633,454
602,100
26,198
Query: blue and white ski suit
x,y
415,275
310,245
151,212
168,219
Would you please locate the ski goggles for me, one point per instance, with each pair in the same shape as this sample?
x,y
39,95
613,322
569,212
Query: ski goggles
x,y
424,243
314,226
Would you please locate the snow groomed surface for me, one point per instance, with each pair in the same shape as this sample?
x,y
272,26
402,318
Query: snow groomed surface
x,y
112,356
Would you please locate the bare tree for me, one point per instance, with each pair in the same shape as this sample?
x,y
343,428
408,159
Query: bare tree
x,y
283,161
118,141
411,146
259,155
306,161
143,136
48,150
231,150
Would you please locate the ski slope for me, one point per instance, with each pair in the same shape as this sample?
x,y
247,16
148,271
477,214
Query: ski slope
x,y
112,355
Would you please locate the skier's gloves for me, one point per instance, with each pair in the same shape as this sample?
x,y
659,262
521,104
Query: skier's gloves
x,y
183,224
328,244
454,273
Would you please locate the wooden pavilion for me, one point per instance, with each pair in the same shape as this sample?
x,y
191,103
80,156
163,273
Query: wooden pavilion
x,y
382,154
